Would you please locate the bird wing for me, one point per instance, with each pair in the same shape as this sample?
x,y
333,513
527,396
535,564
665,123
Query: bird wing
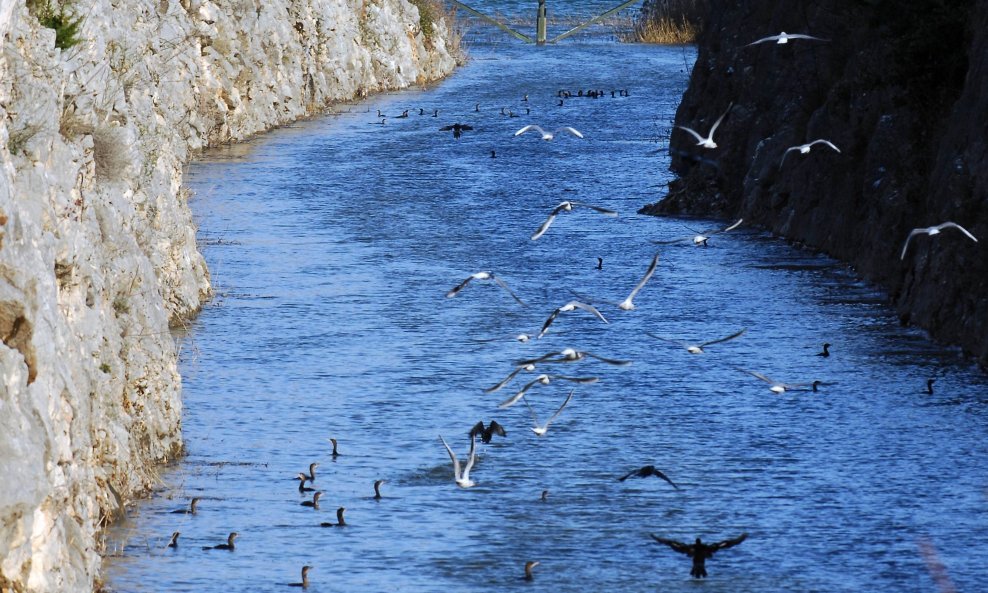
x,y
478,428
788,150
670,241
505,287
543,358
827,142
670,340
456,462
506,380
581,380
471,458
530,127
657,473
627,475
497,429
548,322
535,419
613,361
545,225
958,227
604,211
764,39
648,275
466,127
677,546
724,230
730,337
573,131
728,543
692,131
588,308
456,289
760,376
912,234
560,410
802,36
720,119
514,398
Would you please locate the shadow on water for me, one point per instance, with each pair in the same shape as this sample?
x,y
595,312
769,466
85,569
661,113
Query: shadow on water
x,y
332,244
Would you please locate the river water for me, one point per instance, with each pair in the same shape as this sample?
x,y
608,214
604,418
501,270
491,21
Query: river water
x,y
332,243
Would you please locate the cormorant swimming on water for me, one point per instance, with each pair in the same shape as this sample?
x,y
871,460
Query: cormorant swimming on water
x,y
227,546
192,507
335,452
314,503
305,578
600,263
312,472
528,569
173,542
929,386
339,518
826,350
699,551
377,489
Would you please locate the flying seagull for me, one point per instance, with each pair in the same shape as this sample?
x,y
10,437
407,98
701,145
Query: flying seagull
x,y
483,276
698,348
462,477
571,355
805,148
934,230
570,306
549,135
567,206
701,237
644,472
783,38
543,380
707,142
626,304
540,430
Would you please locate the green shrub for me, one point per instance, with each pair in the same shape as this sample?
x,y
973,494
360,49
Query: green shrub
x,y
60,19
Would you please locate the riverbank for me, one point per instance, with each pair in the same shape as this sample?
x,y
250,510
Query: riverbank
x,y
98,254
901,91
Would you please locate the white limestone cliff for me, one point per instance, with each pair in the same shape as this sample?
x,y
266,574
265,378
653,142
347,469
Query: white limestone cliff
x,y
98,255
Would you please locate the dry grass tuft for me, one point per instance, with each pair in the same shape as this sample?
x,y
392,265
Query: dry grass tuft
x,y
669,21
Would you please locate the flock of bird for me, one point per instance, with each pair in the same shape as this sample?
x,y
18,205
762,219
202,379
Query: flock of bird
x,y
461,471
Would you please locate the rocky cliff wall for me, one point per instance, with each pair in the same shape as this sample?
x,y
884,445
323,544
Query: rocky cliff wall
x,y
902,89
98,257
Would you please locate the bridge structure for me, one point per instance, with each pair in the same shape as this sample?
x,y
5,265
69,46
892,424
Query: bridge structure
x,y
540,22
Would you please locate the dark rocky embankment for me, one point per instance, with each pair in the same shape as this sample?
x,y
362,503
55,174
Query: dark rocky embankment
x,y
902,90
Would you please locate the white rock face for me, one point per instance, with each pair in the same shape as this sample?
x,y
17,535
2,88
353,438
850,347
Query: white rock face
x,y
98,258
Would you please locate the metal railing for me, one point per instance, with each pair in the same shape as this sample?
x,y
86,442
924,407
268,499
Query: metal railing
x,y
540,22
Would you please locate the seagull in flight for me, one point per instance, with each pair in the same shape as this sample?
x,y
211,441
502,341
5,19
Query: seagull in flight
x,y
701,237
549,135
805,148
698,348
518,369
543,380
570,306
783,38
567,206
626,304
707,142
644,472
540,430
462,477
779,387
934,230
571,355
483,276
